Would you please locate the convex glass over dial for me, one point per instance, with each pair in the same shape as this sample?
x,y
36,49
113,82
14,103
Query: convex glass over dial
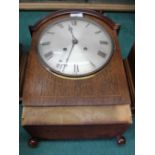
x,y
75,46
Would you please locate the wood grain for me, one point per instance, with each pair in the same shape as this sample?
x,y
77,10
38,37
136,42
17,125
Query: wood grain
x,y
62,5
76,115
129,64
76,131
22,67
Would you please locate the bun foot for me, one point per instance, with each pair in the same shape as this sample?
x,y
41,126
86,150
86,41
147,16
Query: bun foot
x,y
33,142
121,140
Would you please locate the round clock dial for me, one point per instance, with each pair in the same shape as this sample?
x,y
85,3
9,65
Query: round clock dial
x,y
75,47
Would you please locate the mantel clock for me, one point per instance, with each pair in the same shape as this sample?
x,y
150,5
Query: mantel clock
x,y
75,83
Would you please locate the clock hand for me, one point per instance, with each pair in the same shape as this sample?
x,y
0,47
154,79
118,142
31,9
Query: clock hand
x,y
70,52
71,31
74,42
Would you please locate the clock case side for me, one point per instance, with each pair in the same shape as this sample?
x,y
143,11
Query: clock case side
x,y
118,86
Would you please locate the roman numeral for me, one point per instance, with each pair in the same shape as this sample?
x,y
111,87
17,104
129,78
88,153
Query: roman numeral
x,y
76,68
103,42
45,43
101,54
92,64
50,32
61,67
87,25
60,25
97,32
48,55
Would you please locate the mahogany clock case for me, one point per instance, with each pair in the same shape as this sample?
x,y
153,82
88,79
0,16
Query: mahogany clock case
x,y
103,98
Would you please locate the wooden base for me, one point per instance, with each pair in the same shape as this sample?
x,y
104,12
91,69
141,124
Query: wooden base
x,y
90,122
77,132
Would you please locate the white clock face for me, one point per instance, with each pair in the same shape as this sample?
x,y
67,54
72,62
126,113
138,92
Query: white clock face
x,y
75,47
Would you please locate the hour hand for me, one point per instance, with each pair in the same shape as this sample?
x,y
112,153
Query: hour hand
x,y
71,31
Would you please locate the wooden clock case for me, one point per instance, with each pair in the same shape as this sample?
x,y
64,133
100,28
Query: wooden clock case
x,y
97,106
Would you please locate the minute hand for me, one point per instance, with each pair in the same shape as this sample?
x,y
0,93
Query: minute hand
x,y
70,52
